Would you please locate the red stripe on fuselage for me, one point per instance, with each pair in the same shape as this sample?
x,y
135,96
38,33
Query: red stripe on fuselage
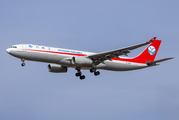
x,y
117,59
56,52
130,60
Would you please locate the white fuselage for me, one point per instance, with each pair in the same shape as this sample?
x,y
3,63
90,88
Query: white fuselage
x,y
63,57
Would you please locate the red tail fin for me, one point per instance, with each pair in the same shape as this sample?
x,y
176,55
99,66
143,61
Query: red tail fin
x,y
150,52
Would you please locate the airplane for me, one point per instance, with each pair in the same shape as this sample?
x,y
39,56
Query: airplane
x,y
60,59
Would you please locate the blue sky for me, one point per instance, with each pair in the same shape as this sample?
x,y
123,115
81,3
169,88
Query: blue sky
x,y
32,92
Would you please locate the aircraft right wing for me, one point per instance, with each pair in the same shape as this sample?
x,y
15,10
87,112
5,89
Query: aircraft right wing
x,y
115,53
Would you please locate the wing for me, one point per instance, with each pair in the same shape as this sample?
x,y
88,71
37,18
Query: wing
x,y
115,53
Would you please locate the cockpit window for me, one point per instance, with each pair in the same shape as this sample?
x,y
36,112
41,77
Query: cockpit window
x,y
13,46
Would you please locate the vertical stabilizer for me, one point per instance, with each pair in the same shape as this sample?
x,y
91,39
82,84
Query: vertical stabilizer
x,y
150,52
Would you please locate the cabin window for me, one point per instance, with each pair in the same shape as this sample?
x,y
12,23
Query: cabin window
x,y
13,46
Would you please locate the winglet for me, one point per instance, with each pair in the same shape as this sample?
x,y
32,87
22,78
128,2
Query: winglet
x,y
154,38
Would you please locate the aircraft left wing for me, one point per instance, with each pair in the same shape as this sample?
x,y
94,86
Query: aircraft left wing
x,y
115,53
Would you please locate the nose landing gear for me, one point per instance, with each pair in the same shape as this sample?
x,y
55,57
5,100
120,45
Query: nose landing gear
x,y
23,63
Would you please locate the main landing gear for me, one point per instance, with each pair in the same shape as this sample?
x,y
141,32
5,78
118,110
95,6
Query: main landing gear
x,y
95,72
23,63
79,74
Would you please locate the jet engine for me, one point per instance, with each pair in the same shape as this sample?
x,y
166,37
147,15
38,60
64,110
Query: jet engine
x,y
81,60
57,68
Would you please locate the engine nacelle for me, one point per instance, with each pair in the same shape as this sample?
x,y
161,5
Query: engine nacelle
x,y
57,68
81,60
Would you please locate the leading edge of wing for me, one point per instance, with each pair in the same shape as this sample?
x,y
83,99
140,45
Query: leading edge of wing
x,y
119,51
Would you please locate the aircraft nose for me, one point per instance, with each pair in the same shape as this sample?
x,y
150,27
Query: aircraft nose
x,y
8,50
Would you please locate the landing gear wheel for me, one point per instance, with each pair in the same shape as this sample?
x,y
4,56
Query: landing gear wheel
x,y
82,77
96,73
23,64
78,74
91,70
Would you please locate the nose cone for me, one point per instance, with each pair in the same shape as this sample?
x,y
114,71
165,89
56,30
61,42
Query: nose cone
x,y
8,50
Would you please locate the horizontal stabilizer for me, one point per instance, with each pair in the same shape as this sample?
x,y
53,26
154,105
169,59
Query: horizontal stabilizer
x,y
157,61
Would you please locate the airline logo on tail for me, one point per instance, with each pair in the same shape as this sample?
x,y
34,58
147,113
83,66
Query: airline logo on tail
x,y
151,50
